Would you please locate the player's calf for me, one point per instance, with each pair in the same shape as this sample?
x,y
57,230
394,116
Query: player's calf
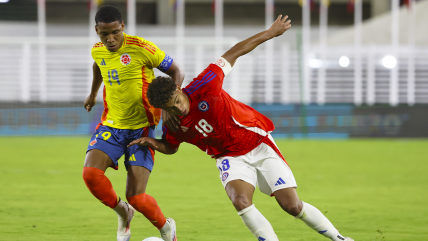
x,y
100,186
257,224
318,222
148,206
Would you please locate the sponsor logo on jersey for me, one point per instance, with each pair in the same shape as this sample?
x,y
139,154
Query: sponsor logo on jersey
x,y
103,62
279,182
220,62
184,128
203,106
224,176
125,59
110,121
93,142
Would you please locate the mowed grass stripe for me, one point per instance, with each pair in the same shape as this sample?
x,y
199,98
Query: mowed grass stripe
x,y
369,189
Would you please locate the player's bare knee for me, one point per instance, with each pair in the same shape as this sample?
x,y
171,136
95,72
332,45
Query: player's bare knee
x,y
240,202
293,208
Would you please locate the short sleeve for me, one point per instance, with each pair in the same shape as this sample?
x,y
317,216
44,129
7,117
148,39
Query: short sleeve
x,y
173,143
152,55
210,80
95,49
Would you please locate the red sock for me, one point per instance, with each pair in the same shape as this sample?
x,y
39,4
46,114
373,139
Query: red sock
x,y
148,206
100,186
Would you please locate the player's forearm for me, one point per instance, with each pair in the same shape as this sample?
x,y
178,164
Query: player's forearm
x,y
176,73
276,29
246,46
97,80
163,147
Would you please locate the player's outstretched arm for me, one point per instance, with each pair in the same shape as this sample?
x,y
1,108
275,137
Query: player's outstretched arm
x,y
96,83
276,29
156,144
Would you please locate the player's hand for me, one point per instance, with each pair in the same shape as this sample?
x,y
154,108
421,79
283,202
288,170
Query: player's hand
x,y
171,121
90,101
144,141
280,26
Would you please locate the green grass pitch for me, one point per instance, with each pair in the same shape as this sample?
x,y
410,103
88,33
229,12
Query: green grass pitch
x,y
369,189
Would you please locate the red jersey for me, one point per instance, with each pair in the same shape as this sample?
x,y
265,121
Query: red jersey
x,y
216,123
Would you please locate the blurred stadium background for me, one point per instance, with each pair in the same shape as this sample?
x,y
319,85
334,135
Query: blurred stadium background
x,y
346,68
356,68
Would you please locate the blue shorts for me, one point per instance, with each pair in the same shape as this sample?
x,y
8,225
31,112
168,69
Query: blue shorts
x,y
113,142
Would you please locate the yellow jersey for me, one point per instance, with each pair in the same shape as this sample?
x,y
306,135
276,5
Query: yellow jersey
x,y
126,75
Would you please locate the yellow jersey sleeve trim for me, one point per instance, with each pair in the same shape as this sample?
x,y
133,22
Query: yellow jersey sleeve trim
x,y
151,53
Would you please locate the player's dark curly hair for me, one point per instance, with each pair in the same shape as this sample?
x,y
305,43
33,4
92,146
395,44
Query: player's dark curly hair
x,y
108,14
160,91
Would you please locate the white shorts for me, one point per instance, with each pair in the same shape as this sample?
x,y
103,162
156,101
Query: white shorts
x,y
260,167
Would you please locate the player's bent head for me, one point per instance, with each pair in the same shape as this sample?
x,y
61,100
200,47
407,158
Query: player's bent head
x,y
160,91
108,14
109,27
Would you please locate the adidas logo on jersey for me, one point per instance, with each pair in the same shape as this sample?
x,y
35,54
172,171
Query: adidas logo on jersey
x,y
279,182
184,128
103,62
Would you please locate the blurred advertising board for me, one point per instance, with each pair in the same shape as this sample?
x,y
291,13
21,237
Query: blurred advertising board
x,y
347,121
48,121
332,121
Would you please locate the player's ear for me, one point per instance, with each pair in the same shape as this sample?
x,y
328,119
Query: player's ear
x,y
96,28
123,25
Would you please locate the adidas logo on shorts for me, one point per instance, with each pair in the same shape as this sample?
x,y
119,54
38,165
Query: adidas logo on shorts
x,y
279,182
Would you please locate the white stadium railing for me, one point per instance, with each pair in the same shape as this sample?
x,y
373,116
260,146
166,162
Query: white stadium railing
x,y
60,71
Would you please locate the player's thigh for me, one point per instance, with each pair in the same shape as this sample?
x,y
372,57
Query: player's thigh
x,y
236,168
98,159
136,181
108,141
240,193
139,161
272,172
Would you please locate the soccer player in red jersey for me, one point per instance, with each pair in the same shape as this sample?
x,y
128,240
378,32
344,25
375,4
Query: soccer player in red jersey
x,y
238,137
125,65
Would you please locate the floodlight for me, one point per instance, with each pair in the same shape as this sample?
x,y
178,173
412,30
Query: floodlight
x,y
344,61
315,63
389,62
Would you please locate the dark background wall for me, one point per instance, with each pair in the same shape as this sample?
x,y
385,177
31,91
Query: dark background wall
x,y
197,13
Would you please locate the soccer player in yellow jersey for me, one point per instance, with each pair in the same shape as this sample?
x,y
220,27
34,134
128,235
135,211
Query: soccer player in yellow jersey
x,y
125,65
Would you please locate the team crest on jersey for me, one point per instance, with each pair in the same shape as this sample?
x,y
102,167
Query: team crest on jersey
x,y
203,106
224,176
125,59
93,142
184,128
